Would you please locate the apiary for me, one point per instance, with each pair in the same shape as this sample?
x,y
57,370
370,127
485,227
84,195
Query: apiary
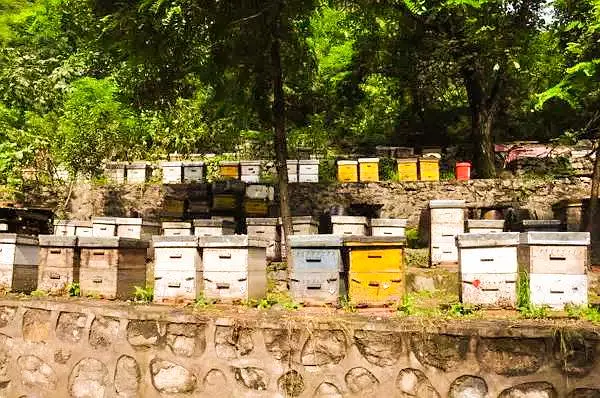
x,y
213,227
407,170
138,172
193,172
429,169
368,169
488,268
115,172
83,228
541,225
230,170
176,228
177,268
58,262
172,172
250,170
111,267
317,274
485,226
347,170
136,228
235,267
376,272
446,222
19,259
388,226
292,169
556,264
349,225
308,170
64,228
104,226
268,229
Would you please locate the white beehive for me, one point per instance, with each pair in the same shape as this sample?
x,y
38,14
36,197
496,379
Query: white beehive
x,y
64,228
266,228
250,170
19,259
115,172
58,262
104,226
213,227
485,226
177,268
446,222
308,170
136,228
349,225
193,172
137,172
292,169
388,226
83,228
172,172
177,228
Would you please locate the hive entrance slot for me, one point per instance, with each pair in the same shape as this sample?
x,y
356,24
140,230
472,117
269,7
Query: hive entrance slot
x,y
557,258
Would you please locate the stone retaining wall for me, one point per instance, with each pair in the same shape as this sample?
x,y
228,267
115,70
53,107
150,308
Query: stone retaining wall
x,y
82,348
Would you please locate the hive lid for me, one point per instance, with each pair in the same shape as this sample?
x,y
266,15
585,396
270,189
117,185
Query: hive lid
x,y
112,242
389,222
262,221
176,225
315,241
175,241
171,164
292,162
229,163
82,224
18,239
213,223
57,241
499,224
63,223
349,220
192,164
347,162
446,204
104,220
137,165
500,239
250,162
555,238
356,240
232,241
406,160
135,221
301,220
306,162
368,160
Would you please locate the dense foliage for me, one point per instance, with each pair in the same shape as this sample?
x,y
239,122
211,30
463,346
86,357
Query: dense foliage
x,y
86,80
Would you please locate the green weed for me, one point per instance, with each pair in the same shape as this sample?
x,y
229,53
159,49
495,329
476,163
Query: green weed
x,y
202,302
73,289
143,295
524,305
347,305
39,293
407,307
587,313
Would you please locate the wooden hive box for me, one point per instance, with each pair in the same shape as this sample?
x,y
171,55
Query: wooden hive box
x,y
59,262
177,269
19,259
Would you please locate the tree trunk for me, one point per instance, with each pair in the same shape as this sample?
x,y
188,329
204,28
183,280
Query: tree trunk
x,y
483,142
594,194
281,153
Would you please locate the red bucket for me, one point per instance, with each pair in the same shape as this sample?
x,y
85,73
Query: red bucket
x,y
463,171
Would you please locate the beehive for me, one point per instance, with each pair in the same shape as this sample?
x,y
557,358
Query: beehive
x,y
83,228
193,172
301,225
308,170
136,228
64,228
177,268
376,273
172,172
138,172
213,227
429,169
260,191
111,267
317,274
446,222
349,225
230,170
234,267
256,207
104,226
115,172
173,207
292,169
268,229
250,170
485,226
388,226
368,169
58,263
488,268
225,202
177,228
19,259
347,170
541,225
407,170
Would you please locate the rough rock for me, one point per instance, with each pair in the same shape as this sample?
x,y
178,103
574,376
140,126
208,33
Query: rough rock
x,y
103,332
379,348
36,325
88,379
414,383
360,380
252,378
171,378
291,384
468,387
127,377
145,334
324,347
186,339
530,390
70,326
233,341
439,350
36,373
511,357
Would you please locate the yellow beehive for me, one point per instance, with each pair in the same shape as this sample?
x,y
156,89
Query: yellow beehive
x,y
256,208
347,170
429,169
376,270
407,170
225,202
368,169
229,170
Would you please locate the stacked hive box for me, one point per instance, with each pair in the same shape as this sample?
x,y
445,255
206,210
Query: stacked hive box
x,y
172,172
177,228
556,263
485,226
230,170
388,226
138,172
268,229
115,172
541,225
213,227
177,268
429,169
347,170
19,256
292,169
104,226
136,228
58,262
349,225
250,170
227,196
447,220
83,228
368,169
375,269
407,169
488,268
193,172
64,228
198,201
308,170
111,267
317,273
257,199
235,267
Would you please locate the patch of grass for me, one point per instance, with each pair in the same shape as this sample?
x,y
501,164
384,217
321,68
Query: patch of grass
x,y
418,258
587,313
73,289
39,293
347,305
457,310
281,299
143,295
407,307
524,305
202,302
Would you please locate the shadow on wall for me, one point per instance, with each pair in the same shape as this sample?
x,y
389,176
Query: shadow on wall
x,y
113,202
